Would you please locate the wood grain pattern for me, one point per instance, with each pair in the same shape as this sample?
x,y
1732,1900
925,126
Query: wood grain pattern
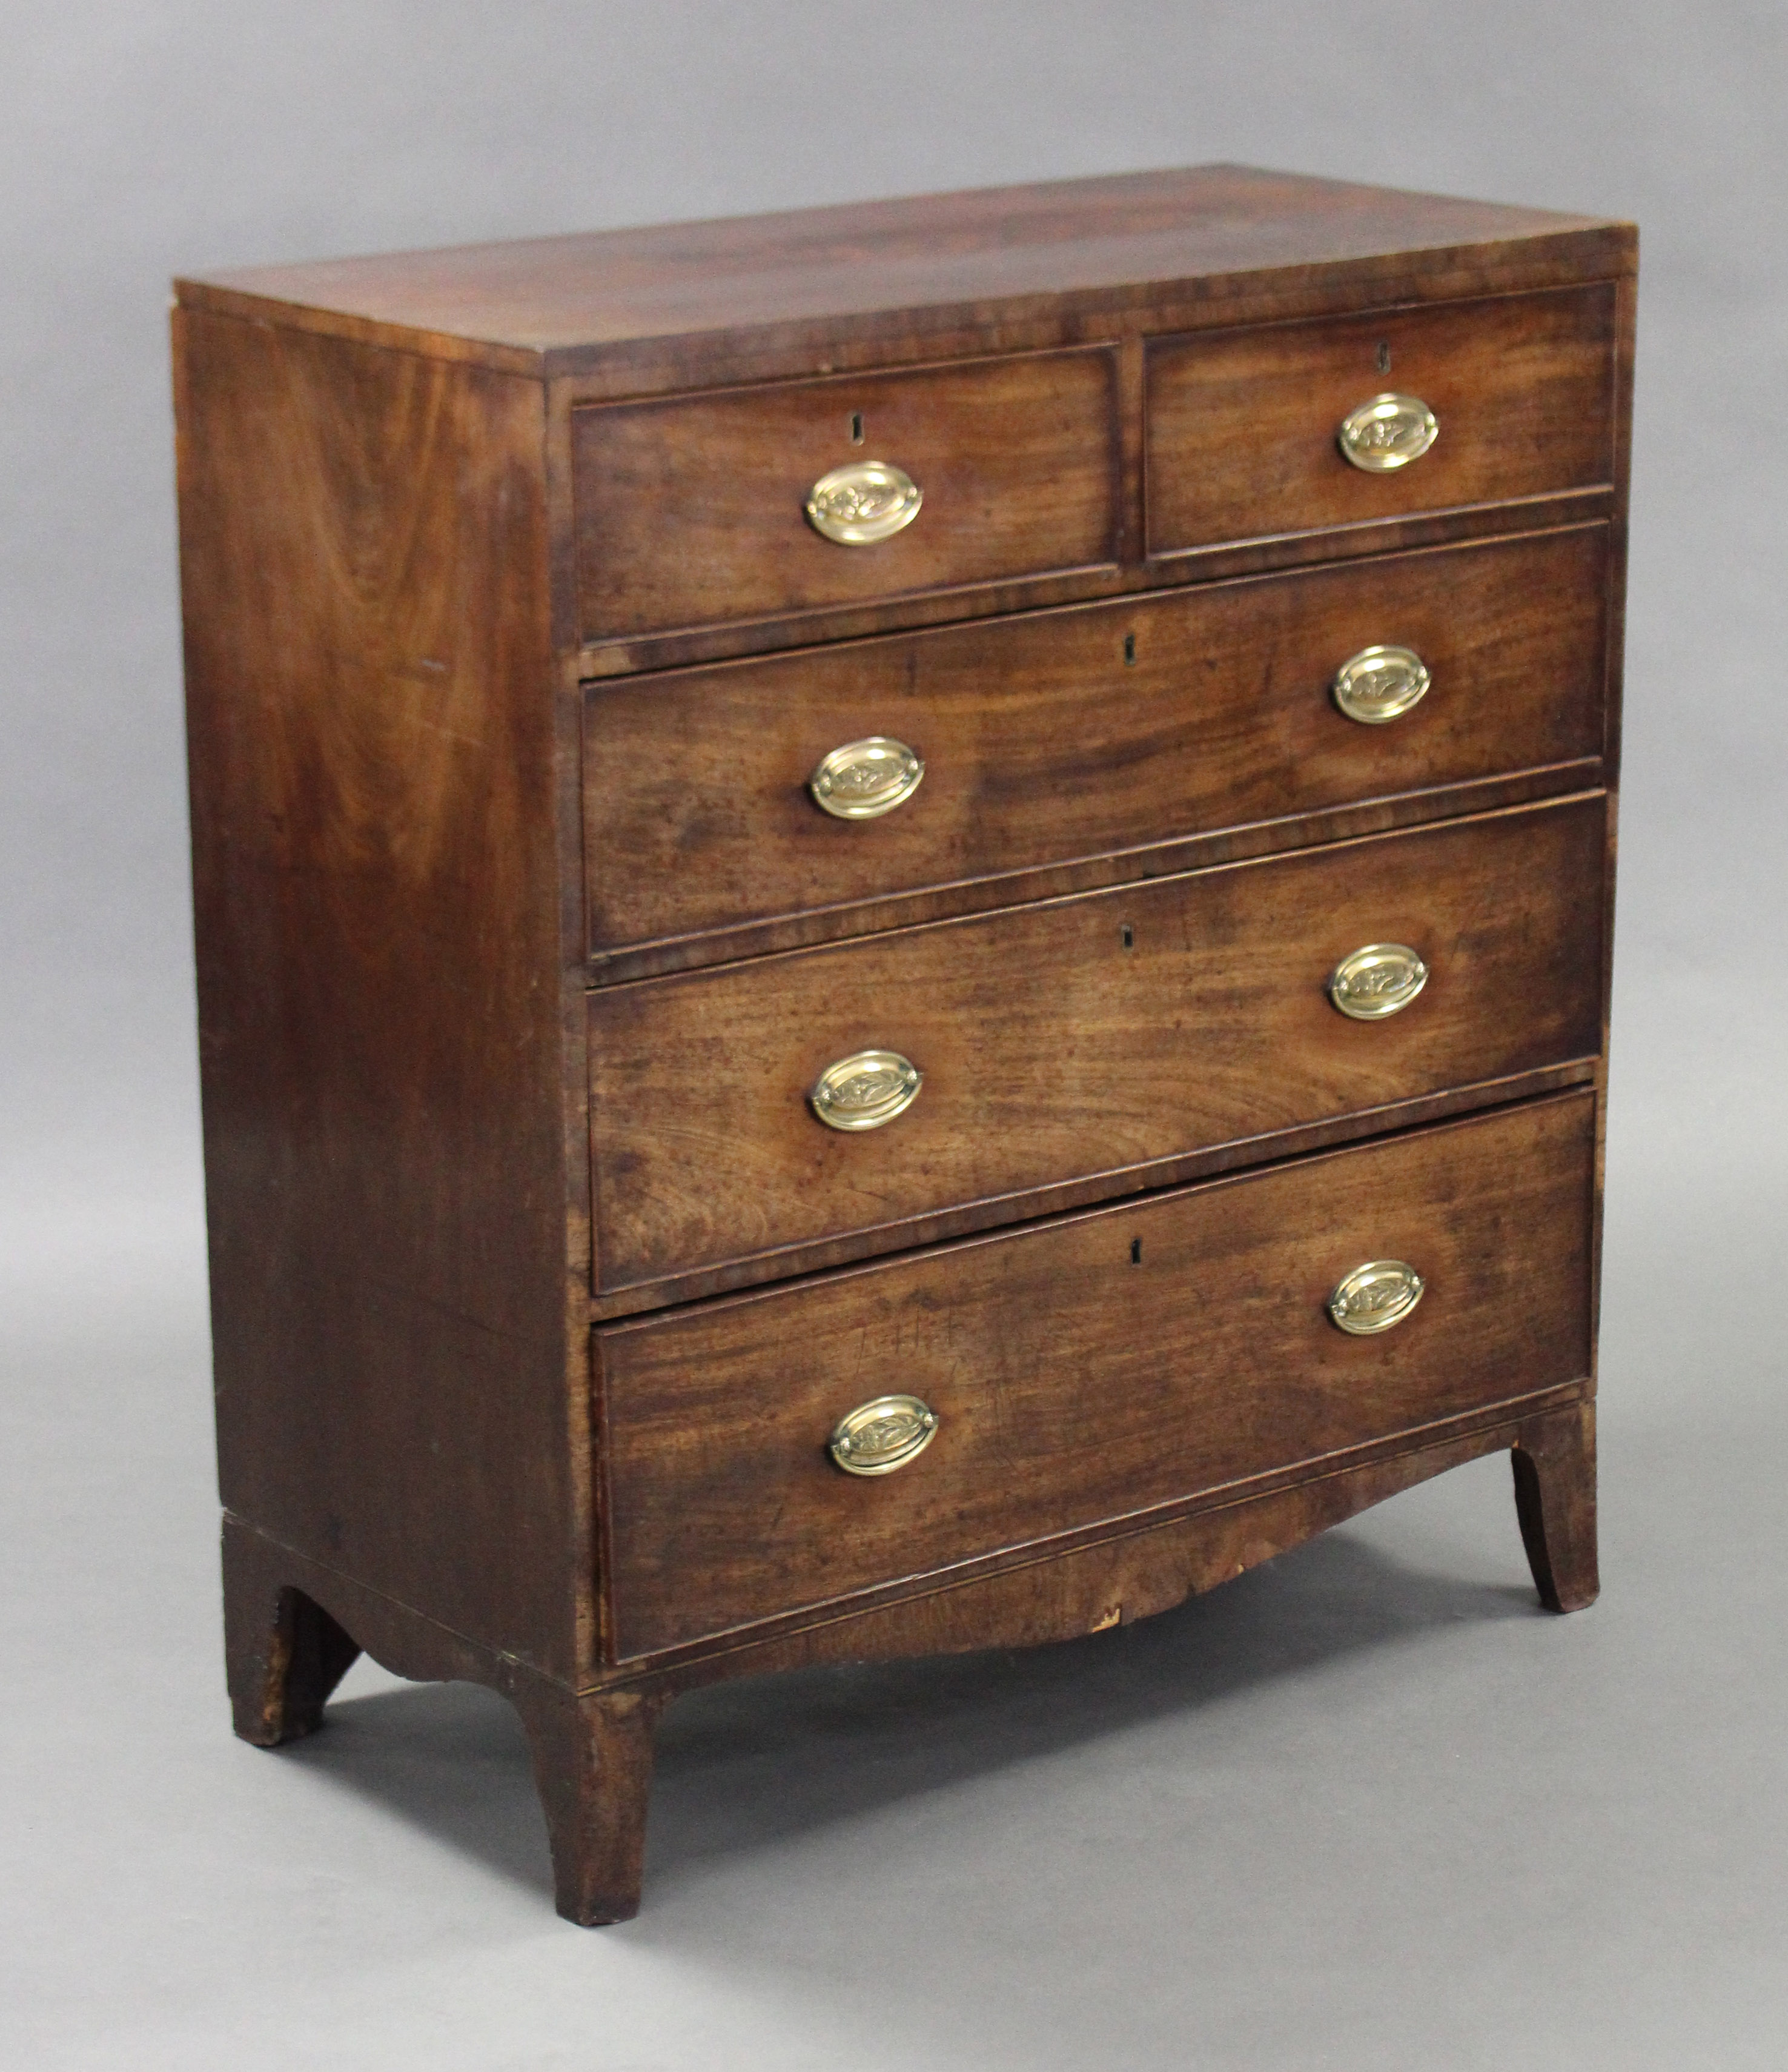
x,y
846,1248
1068,735
606,660
1241,425
690,511
1251,839
1216,235
1201,1314
376,870
1070,1586
1053,1050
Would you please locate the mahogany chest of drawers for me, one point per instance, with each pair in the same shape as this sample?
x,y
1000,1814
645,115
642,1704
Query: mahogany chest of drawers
x,y
903,919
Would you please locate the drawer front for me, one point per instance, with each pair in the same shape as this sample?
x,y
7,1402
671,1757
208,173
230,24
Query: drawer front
x,y
1067,735
1243,425
1084,1037
692,512
1084,1370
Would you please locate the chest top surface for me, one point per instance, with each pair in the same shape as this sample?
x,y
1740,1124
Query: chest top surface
x,y
1199,238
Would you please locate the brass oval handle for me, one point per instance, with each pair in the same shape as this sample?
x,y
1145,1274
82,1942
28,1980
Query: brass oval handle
x,y
1374,1297
1378,980
877,1437
865,779
866,1090
1388,432
862,503
1380,684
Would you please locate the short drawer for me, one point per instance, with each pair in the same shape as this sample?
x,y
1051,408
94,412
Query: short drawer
x,y
1094,1036
1245,428
1084,1372
1067,735
694,512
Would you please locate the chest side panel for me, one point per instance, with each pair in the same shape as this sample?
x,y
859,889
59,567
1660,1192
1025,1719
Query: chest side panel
x,y
375,872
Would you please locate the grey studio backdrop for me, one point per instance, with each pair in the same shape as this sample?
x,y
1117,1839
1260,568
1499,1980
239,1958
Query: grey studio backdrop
x,y
1364,1808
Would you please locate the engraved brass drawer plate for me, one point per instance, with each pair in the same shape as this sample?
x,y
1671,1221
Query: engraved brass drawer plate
x,y
866,1090
1380,684
1387,433
877,1437
1374,1297
1378,979
864,502
865,779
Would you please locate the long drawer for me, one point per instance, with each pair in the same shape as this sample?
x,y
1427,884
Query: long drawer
x,y
1099,1035
1071,735
1084,1371
1249,431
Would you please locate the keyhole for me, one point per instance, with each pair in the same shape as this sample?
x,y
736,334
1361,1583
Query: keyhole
x,y
1130,650
1135,1251
1385,355
856,423
1129,936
